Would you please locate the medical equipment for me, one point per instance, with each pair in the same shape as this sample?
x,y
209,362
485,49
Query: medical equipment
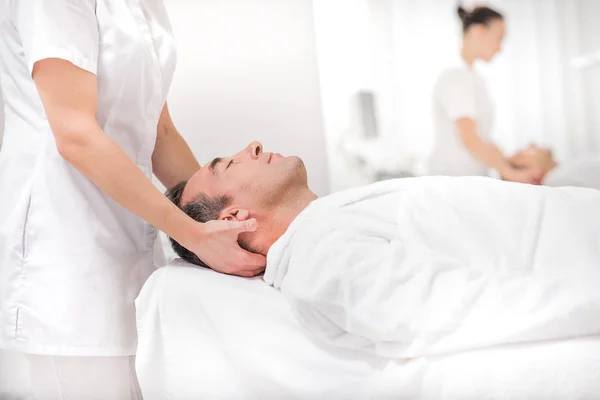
x,y
374,154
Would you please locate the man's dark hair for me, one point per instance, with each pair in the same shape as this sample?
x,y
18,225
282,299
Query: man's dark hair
x,y
479,15
201,208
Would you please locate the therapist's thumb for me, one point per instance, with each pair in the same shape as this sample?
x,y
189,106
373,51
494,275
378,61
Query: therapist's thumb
x,y
244,226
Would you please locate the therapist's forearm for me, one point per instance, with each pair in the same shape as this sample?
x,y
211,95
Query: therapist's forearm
x,y
487,153
105,164
173,160
491,156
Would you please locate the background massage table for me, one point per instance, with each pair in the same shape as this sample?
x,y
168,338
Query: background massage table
x,y
203,335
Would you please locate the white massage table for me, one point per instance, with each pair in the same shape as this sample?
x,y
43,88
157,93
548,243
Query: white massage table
x,y
203,335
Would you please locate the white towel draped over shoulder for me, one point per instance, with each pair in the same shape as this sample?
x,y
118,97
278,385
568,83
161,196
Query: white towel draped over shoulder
x,y
426,266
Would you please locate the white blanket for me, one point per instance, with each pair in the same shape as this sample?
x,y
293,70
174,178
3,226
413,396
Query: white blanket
x,y
203,335
430,266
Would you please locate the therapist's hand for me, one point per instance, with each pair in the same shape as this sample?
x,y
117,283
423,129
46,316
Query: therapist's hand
x,y
531,176
218,248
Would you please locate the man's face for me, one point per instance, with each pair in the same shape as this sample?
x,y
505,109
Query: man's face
x,y
252,178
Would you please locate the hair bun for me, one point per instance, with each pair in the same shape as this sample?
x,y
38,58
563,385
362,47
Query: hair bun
x,y
462,13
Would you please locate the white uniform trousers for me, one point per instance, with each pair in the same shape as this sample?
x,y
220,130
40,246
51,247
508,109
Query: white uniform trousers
x,y
35,377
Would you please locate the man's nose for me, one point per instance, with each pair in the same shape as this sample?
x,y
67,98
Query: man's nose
x,y
254,149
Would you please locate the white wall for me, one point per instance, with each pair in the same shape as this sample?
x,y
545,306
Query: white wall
x,y
344,59
247,70
1,118
589,10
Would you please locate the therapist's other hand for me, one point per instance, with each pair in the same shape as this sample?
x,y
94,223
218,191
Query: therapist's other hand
x,y
531,176
219,249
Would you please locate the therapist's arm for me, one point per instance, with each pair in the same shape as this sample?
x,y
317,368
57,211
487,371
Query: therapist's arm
x,y
70,98
490,155
172,160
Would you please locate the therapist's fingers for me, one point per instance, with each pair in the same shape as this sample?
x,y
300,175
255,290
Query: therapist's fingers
x,y
514,158
249,264
220,248
243,226
519,160
254,260
250,273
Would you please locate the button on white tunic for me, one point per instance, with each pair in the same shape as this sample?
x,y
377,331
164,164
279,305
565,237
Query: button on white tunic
x,y
72,261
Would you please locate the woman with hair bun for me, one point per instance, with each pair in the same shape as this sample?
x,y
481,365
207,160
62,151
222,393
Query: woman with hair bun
x,y
464,110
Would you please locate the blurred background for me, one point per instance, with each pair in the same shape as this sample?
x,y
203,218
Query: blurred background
x,y
347,84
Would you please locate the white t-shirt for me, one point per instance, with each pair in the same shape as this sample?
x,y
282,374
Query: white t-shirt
x,y
459,93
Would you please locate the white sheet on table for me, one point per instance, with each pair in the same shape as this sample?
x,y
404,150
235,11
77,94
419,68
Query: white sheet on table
x,y
429,266
213,336
204,335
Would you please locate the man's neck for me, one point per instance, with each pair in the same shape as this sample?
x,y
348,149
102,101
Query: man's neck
x,y
279,217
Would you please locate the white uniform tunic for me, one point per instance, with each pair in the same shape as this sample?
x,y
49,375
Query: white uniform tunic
x,y
459,93
72,261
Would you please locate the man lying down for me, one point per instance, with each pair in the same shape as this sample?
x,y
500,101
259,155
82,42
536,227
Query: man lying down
x,y
413,267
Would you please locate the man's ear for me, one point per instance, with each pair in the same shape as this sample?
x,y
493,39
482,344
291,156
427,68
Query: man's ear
x,y
234,214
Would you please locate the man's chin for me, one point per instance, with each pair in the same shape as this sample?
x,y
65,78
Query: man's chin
x,y
290,172
298,161
301,169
